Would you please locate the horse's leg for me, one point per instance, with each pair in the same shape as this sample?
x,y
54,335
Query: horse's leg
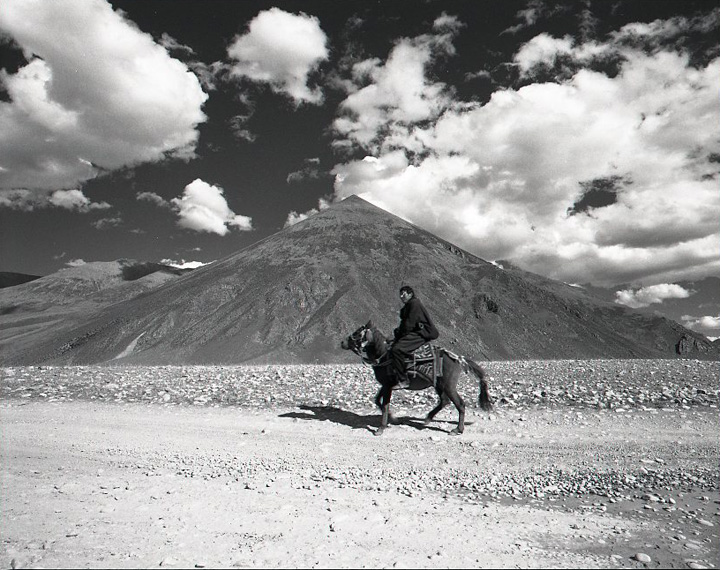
x,y
378,399
455,398
440,405
384,399
379,404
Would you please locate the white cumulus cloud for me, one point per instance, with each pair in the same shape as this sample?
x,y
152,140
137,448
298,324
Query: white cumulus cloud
x,y
706,322
282,50
636,298
385,97
203,208
96,94
184,264
153,198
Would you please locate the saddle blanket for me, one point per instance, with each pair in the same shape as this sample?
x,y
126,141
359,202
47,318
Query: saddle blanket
x,y
425,361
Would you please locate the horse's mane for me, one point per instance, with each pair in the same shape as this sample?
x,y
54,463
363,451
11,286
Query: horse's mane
x,y
379,341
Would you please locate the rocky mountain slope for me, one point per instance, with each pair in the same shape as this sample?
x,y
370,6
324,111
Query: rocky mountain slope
x,y
68,296
291,297
100,282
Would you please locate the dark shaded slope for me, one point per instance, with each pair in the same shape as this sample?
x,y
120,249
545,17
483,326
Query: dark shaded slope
x,y
292,296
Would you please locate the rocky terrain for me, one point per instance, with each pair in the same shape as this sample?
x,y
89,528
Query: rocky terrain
x,y
582,464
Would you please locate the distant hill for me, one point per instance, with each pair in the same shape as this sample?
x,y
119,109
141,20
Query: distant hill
x,y
9,279
292,296
71,294
99,281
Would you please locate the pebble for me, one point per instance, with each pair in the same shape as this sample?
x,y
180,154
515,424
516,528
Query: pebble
x,y
607,384
642,557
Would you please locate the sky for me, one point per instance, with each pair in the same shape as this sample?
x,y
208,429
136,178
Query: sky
x,y
577,139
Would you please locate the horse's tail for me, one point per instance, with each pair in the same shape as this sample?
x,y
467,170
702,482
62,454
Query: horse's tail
x,y
470,366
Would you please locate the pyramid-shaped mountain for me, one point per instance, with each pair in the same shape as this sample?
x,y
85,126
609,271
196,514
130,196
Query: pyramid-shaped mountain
x,y
291,297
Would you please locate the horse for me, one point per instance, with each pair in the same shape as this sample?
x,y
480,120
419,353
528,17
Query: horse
x,y
371,346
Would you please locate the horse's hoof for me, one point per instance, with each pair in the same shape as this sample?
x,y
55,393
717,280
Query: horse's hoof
x,y
426,422
378,431
456,431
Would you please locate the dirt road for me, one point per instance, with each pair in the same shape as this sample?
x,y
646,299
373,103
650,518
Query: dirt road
x,y
126,485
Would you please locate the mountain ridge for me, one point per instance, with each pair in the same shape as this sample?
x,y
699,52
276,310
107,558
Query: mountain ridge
x,y
292,296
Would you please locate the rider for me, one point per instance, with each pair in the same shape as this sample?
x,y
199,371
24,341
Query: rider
x,y
416,328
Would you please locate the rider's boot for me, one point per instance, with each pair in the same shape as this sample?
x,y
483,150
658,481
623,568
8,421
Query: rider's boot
x,y
403,381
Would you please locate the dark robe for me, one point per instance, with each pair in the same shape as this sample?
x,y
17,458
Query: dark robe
x,y
416,328
415,319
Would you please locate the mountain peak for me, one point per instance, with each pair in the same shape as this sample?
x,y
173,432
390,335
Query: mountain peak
x,y
292,296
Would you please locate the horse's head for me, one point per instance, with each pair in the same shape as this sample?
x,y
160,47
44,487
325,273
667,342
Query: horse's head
x,y
367,342
357,340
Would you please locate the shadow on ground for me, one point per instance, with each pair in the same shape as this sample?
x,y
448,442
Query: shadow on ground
x,y
357,421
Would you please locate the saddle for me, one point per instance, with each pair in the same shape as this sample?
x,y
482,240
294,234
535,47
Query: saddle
x,y
426,363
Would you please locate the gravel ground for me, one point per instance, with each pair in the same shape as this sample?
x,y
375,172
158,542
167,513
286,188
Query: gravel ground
x,y
584,384
581,464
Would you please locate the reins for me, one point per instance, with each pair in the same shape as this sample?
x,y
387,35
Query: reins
x,y
366,360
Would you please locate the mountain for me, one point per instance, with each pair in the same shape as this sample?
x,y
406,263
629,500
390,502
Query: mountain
x,y
71,294
10,279
291,298
98,281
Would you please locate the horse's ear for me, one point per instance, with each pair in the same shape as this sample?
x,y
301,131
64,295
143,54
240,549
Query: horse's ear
x,y
369,325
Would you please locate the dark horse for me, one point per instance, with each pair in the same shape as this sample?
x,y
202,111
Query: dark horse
x,y
371,345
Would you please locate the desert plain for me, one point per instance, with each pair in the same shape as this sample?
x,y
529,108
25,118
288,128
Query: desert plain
x,y
581,464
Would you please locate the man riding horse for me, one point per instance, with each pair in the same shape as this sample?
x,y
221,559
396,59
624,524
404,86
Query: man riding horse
x,y
416,328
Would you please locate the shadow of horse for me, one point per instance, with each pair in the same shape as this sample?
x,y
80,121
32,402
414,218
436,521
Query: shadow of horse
x,y
353,420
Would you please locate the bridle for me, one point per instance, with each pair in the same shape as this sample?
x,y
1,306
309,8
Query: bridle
x,y
358,344
359,341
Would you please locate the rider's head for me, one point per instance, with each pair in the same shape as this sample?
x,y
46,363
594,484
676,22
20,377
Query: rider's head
x,y
406,292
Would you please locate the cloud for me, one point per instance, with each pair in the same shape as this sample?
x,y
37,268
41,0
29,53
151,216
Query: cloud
x,y
384,98
281,50
153,198
648,295
105,223
309,170
238,127
171,44
293,217
27,201
545,50
658,32
108,98
707,322
535,11
184,264
203,208
75,200
598,177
